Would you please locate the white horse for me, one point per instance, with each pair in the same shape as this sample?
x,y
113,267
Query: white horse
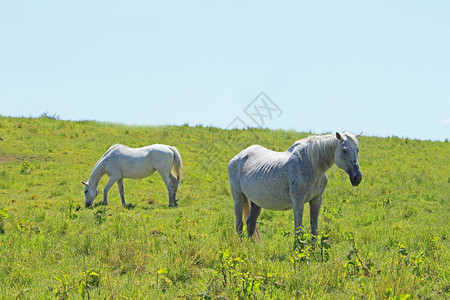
x,y
121,162
261,178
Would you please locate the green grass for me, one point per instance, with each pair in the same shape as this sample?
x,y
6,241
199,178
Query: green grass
x,y
387,238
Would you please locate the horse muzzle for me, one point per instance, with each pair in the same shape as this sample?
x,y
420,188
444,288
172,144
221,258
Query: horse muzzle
x,y
356,178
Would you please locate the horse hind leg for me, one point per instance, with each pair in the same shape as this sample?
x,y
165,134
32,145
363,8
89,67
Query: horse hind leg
x,y
175,183
170,187
255,210
121,191
240,201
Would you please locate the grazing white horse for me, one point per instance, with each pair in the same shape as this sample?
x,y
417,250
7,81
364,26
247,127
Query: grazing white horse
x,y
262,178
121,162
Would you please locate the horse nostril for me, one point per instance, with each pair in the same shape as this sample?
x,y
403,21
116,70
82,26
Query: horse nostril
x,y
356,179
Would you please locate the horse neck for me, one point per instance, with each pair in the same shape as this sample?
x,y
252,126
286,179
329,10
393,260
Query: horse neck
x,y
321,154
97,173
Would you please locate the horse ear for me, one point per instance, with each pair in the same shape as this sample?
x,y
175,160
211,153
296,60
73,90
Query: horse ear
x,y
84,183
339,136
358,135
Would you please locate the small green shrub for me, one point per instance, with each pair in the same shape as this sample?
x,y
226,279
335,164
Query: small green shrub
x,y
100,215
3,216
25,168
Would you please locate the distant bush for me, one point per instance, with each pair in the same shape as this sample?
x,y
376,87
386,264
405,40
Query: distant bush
x,y
49,116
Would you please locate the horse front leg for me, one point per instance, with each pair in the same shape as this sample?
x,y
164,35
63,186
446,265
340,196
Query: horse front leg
x,y
298,207
314,209
110,183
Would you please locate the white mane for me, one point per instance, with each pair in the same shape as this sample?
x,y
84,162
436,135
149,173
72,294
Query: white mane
x,y
320,148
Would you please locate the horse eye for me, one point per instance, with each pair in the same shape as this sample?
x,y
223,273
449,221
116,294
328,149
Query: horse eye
x,y
344,151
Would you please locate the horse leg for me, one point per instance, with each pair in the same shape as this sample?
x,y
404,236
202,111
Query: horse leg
x,y
239,202
110,183
314,209
298,216
169,186
175,183
121,191
255,210
298,206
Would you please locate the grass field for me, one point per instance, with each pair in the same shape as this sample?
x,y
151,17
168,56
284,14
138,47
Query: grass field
x,y
385,239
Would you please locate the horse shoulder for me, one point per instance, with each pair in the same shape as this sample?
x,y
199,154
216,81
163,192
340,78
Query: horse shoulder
x,y
300,167
302,180
117,158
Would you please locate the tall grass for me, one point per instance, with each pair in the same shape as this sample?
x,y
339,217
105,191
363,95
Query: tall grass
x,y
386,239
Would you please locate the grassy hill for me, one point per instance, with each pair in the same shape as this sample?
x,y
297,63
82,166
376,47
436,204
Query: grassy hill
x,y
385,239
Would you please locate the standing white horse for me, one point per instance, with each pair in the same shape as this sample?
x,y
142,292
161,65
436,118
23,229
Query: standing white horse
x,y
262,178
121,162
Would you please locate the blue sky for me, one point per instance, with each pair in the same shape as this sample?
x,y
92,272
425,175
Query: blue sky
x,y
382,67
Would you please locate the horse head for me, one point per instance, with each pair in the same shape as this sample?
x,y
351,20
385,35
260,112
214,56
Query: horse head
x,y
90,192
346,156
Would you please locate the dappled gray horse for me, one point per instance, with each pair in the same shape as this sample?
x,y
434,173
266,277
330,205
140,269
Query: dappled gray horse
x,y
262,178
121,161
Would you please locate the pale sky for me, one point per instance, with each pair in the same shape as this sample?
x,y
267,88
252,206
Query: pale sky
x,y
381,67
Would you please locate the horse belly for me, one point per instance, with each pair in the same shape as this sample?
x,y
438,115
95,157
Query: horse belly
x,y
268,196
136,169
136,174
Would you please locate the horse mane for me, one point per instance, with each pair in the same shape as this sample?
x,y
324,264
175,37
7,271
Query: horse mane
x,y
102,158
320,148
107,151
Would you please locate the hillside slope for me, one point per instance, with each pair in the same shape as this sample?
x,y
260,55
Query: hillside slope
x,y
386,238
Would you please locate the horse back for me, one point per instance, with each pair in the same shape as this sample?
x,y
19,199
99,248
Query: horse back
x,y
139,162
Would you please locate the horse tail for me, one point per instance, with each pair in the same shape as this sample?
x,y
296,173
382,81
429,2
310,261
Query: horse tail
x,y
246,209
176,162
